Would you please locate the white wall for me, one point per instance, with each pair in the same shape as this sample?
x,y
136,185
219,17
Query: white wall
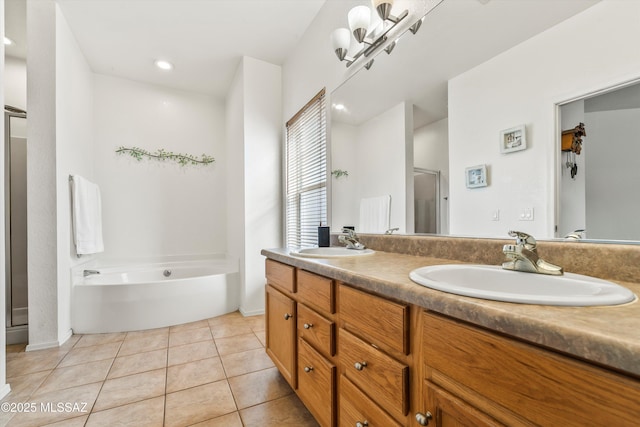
x,y
74,153
15,82
254,135
41,175
376,156
522,86
431,151
153,208
344,155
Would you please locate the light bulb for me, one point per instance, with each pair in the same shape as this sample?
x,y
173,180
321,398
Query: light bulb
x,y
359,20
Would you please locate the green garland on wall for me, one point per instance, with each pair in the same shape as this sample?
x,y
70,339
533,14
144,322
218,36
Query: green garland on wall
x,y
338,173
162,155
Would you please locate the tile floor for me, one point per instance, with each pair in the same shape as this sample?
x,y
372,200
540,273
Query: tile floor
x,y
209,373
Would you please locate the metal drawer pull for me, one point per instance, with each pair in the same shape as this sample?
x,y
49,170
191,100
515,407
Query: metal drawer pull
x,y
308,325
362,424
287,316
308,368
360,365
423,419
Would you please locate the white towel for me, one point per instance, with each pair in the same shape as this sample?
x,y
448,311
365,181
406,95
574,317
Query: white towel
x,y
374,214
87,216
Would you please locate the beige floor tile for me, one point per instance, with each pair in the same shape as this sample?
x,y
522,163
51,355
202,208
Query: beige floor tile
x,y
262,337
180,377
30,362
91,354
146,413
243,363
16,348
96,339
73,376
186,326
286,411
24,386
199,404
132,388
225,318
229,420
238,343
230,328
73,422
80,399
258,387
137,363
148,333
70,343
256,322
192,352
139,343
189,336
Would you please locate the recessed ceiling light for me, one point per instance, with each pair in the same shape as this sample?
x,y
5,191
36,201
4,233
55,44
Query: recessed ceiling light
x,y
7,41
164,65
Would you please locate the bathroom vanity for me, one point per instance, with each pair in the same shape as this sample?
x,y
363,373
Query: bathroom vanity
x,y
362,345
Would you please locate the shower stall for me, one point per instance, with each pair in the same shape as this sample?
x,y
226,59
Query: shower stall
x,y
15,190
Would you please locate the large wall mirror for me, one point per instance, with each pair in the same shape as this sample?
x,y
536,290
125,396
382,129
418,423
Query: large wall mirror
x,y
443,98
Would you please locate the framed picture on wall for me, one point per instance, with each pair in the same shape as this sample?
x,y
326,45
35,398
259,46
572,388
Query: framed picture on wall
x,y
476,176
513,139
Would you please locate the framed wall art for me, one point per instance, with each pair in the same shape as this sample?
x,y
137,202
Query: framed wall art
x,y
513,139
476,176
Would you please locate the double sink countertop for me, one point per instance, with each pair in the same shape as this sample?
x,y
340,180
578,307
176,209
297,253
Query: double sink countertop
x,y
604,335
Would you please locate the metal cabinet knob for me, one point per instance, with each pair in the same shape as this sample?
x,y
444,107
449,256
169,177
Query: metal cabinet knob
x,y
287,316
308,369
308,325
362,424
423,419
360,365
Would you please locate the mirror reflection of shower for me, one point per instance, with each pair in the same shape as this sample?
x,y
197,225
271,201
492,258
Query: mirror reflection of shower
x,y
426,190
15,184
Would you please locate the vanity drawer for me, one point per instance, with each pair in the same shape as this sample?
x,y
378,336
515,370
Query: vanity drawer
x,y
381,377
316,291
281,275
316,383
384,323
316,330
356,407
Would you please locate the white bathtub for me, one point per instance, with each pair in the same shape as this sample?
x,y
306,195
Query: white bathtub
x,y
137,297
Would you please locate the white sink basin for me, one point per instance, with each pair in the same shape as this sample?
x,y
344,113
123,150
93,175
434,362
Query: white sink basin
x,y
331,252
494,283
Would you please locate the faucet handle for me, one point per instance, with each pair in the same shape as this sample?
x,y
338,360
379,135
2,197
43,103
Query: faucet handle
x,y
524,239
349,232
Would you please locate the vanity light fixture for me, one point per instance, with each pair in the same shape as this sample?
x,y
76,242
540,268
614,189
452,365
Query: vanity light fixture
x,y
164,65
368,38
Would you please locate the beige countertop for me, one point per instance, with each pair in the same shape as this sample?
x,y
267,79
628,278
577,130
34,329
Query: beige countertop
x,y
608,336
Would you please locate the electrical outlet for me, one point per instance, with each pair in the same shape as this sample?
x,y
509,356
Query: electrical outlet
x,y
526,214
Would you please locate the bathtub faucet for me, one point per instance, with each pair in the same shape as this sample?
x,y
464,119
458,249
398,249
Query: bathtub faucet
x,y
86,273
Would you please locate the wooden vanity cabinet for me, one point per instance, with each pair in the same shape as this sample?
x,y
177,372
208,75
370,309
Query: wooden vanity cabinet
x,y
478,377
280,333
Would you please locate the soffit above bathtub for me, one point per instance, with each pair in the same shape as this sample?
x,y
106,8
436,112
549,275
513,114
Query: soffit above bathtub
x,y
204,39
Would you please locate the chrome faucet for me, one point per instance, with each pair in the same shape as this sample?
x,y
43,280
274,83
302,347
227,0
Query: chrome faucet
x,y
523,256
350,239
86,273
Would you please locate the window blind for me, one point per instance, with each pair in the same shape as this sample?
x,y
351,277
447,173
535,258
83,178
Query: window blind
x,y
306,173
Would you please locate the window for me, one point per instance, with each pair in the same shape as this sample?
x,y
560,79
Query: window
x,y
306,174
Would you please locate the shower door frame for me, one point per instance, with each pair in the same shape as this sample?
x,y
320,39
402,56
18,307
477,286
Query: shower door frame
x,y
437,196
7,221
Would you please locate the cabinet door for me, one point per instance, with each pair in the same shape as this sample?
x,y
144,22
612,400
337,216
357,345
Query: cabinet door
x,y
448,411
316,384
281,333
